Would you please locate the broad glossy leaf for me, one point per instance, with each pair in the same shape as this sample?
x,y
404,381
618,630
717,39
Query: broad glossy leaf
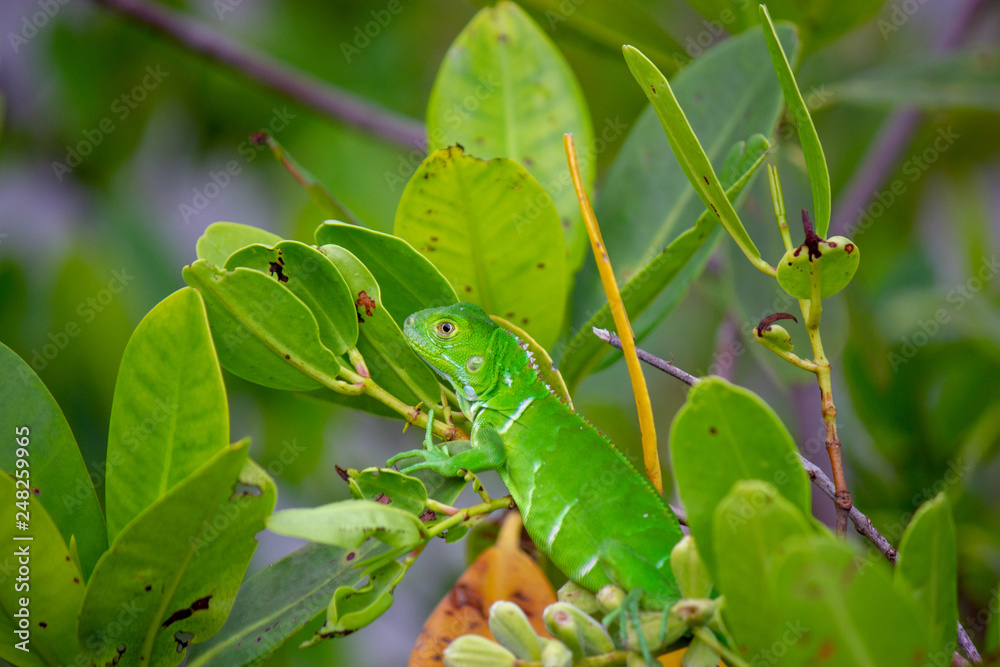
x,y
348,523
407,281
964,81
55,581
839,608
749,528
728,94
297,588
504,90
153,561
309,275
389,358
493,231
170,414
928,566
722,435
58,472
609,25
584,349
221,239
812,149
389,487
262,331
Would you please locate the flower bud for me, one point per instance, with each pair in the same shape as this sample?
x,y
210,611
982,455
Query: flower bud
x,y
609,598
476,651
556,654
564,620
689,570
578,596
512,628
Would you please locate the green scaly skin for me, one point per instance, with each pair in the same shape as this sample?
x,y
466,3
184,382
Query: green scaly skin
x,y
583,503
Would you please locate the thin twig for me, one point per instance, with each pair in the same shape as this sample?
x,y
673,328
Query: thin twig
x,y
612,339
300,86
861,522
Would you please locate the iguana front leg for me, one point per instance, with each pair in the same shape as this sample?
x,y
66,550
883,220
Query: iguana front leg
x,y
487,453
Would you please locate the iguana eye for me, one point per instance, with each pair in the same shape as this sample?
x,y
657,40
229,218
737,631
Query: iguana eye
x,y
474,363
445,329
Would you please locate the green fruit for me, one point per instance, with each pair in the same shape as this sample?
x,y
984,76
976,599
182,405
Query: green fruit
x,y
689,570
836,260
476,651
778,337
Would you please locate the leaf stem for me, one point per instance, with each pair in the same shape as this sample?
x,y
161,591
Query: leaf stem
x,y
505,502
416,417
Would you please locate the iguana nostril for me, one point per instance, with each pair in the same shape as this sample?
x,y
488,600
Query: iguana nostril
x,y
409,321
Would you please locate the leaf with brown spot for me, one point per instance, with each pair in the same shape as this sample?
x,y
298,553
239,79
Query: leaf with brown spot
x,y
502,572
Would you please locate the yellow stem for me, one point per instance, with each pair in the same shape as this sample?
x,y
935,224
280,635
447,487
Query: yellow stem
x,y
650,453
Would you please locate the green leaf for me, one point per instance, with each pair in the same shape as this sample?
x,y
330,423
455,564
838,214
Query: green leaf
x,y
812,149
222,239
492,230
962,81
584,349
262,331
144,583
309,275
728,94
55,580
297,588
693,160
843,611
928,564
504,90
389,487
352,608
348,523
57,469
407,281
322,197
749,528
169,414
722,435
609,25
818,21
389,358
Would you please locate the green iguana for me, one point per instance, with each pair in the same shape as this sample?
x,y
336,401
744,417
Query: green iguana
x,y
584,504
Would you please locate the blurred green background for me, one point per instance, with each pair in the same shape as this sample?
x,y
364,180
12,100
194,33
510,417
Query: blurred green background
x,y
119,147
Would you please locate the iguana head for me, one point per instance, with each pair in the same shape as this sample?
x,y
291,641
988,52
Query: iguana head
x,y
454,340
